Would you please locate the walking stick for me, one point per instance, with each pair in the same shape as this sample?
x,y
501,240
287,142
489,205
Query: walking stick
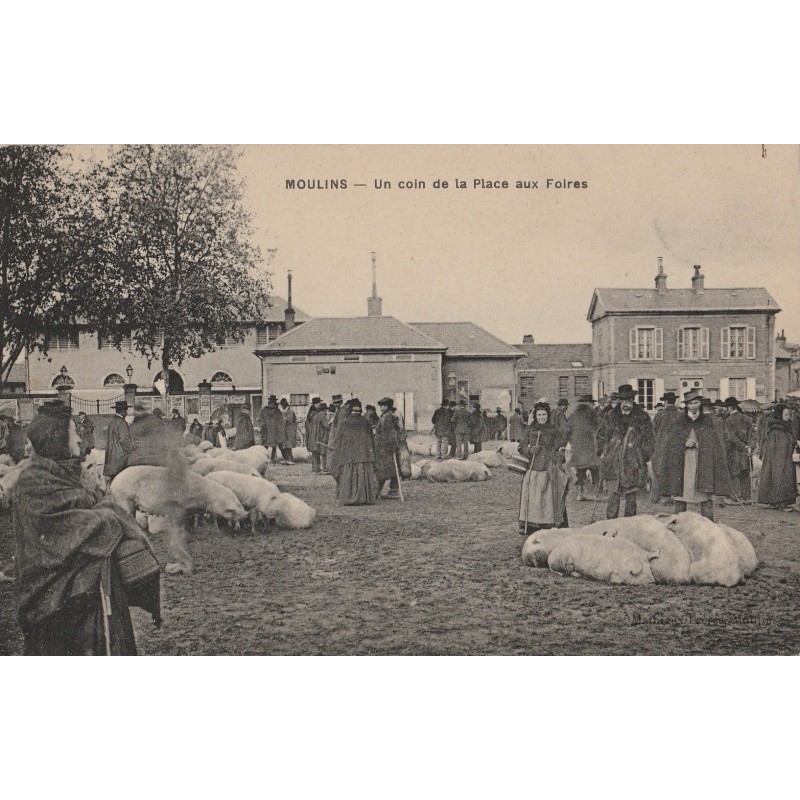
x,y
741,504
105,604
397,472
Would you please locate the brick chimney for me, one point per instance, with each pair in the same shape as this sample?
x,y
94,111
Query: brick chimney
x,y
288,314
781,340
698,279
527,338
661,278
374,303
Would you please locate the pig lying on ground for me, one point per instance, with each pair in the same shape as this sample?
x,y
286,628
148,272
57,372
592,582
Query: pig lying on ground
x,y
489,457
6,460
509,449
416,472
256,457
714,556
421,445
615,561
539,544
746,555
206,465
453,470
670,560
300,455
153,491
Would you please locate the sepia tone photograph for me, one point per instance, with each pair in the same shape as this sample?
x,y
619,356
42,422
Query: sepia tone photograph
x,y
427,400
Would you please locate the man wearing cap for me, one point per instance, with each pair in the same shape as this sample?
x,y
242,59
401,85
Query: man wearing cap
x,y
693,468
625,443
738,436
442,430
661,423
177,421
460,423
315,443
387,448
118,441
559,417
580,432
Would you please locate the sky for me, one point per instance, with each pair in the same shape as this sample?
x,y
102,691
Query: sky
x,y
522,261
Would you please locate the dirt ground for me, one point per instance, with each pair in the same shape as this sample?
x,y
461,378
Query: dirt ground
x,y
441,575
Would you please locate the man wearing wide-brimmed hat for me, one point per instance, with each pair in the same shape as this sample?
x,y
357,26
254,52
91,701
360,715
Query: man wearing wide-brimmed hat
x,y
118,441
693,467
387,448
738,436
625,442
272,428
661,423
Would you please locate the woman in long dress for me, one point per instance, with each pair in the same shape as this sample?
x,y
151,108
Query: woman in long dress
x,y
353,461
778,485
543,496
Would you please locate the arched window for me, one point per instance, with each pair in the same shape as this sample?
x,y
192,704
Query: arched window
x,y
114,379
221,377
175,382
63,380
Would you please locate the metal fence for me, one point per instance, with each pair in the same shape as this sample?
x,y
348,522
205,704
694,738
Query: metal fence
x,y
95,406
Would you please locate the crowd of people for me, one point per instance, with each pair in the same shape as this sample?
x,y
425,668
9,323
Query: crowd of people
x,y
690,456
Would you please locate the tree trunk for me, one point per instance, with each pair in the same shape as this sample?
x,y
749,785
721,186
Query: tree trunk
x,y
165,378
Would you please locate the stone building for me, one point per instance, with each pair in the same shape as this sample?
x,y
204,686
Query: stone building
x,y
721,341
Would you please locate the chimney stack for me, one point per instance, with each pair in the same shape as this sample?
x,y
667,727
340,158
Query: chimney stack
x,y
288,314
698,279
781,340
374,303
527,338
661,278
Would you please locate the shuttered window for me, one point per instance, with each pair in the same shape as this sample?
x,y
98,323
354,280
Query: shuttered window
x,y
738,341
646,344
692,344
751,342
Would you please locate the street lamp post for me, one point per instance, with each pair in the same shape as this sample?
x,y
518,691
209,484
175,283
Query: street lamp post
x,y
130,387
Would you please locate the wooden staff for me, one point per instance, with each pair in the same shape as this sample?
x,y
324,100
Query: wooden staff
x,y
397,472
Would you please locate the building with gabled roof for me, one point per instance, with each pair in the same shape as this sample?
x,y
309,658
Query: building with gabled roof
x,y
720,341
477,365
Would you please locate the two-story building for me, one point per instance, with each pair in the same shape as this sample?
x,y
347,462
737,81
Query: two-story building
x,y
96,371
721,341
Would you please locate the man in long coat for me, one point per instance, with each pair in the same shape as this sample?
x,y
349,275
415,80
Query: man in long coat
x,y
442,430
477,428
500,424
272,427
118,442
317,436
86,432
665,417
693,468
559,416
738,436
387,448
515,425
461,429
625,442
245,435
289,430
580,431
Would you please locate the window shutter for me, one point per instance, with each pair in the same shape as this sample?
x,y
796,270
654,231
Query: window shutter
x,y
751,388
751,343
658,390
724,388
659,344
680,344
725,342
704,343
632,341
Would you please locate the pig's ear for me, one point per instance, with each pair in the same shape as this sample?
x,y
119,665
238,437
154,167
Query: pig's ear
x,y
653,554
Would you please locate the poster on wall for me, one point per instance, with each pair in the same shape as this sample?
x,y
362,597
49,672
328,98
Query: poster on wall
x,y
205,409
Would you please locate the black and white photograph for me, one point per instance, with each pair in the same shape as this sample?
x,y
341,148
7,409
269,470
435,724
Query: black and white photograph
x,y
400,400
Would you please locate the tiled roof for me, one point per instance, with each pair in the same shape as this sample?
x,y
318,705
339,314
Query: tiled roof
x,y
631,301
17,374
352,334
467,339
555,356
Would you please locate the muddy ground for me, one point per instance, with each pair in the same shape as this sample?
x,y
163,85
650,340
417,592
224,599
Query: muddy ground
x,y
441,575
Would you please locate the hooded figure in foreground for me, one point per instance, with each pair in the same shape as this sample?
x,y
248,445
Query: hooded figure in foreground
x,y
72,550
353,461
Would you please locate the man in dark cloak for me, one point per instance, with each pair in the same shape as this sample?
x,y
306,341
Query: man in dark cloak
x,y
693,466
353,461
